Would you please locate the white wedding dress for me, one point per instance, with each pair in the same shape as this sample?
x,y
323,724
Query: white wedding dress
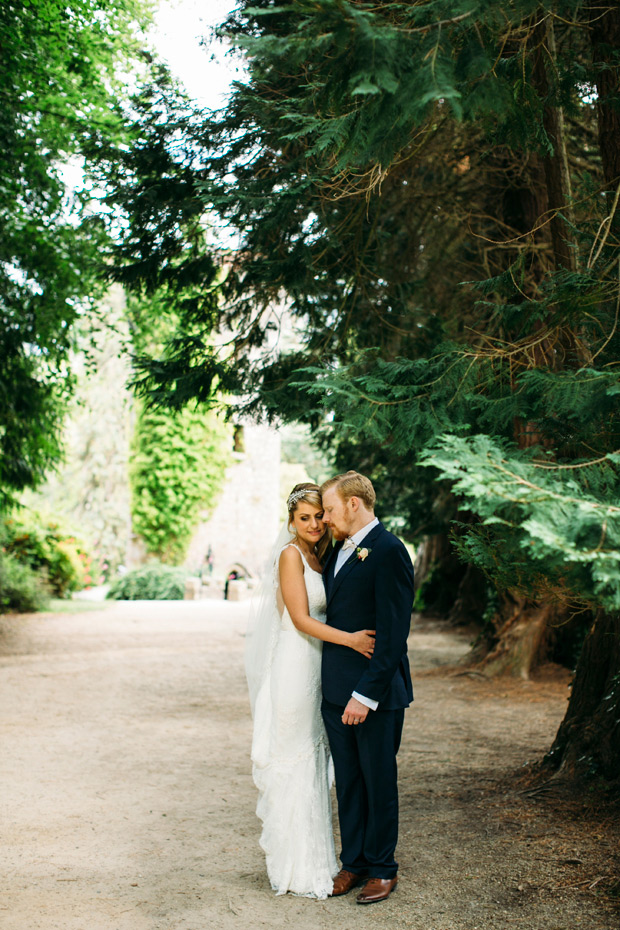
x,y
291,764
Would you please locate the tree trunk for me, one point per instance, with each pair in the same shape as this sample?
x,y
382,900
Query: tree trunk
x,y
471,599
432,551
522,638
555,164
437,572
445,586
518,640
605,33
526,631
588,741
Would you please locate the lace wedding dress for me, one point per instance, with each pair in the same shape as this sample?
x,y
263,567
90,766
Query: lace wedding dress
x,y
291,764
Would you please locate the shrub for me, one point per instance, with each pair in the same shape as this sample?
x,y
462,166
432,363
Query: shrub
x,y
21,588
40,544
152,582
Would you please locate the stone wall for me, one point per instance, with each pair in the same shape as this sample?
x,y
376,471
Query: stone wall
x,y
246,519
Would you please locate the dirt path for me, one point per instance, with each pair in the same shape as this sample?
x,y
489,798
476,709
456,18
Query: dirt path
x,y
127,801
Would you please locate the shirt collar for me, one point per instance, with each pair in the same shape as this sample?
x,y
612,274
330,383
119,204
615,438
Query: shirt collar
x,y
365,530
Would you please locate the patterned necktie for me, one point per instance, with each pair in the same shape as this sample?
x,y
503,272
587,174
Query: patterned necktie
x,y
348,544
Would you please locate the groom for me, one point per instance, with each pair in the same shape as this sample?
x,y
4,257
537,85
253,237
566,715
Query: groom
x,y
369,585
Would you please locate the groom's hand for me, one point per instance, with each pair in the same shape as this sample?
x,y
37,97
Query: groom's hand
x,y
355,712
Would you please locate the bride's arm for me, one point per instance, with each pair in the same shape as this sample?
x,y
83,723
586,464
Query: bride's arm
x,y
295,597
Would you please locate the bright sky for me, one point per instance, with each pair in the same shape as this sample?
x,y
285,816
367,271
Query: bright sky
x,y
205,70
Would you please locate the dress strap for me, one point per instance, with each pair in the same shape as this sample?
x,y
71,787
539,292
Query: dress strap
x,y
295,546
303,558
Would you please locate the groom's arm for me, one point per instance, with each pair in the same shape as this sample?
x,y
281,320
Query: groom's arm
x,y
393,603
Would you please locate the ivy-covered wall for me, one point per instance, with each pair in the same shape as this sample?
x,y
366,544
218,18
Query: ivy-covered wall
x,y
177,471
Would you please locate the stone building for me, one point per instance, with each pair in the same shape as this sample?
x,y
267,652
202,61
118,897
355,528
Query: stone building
x,y
241,529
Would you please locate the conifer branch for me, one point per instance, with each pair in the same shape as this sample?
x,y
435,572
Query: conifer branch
x,y
608,220
599,461
548,493
437,24
615,326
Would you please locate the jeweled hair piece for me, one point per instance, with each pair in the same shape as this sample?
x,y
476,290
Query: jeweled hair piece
x,y
295,496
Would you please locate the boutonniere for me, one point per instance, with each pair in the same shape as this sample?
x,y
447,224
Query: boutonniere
x,y
363,554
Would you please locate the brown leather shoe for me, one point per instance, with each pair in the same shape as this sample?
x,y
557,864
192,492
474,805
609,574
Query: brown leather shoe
x,y
377,889
344,881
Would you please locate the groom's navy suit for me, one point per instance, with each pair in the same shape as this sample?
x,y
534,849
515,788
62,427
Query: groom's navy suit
x,y
375,593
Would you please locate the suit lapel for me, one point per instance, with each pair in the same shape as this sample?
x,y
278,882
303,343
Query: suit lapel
x,y
342,574
334,583
328,568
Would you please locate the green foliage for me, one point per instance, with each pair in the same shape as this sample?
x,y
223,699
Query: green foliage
x,y
365,67
377,157
177,472
543,528
60,68
175,298
21,588
369,246
61,562
151,582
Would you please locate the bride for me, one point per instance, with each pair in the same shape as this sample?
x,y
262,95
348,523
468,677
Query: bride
x,y
291,764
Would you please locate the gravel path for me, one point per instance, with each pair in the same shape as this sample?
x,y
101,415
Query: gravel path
x,y
127,800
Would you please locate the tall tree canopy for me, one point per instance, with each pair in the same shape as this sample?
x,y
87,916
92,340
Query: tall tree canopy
x,y
63,66
431,189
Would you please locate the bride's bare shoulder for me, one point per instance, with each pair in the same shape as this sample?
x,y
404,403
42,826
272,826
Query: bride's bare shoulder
x,y
290,558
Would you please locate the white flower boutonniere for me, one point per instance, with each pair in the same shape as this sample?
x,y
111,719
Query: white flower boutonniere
x,y
363,554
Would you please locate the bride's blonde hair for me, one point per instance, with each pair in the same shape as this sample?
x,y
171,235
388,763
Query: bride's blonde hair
x,y
311,494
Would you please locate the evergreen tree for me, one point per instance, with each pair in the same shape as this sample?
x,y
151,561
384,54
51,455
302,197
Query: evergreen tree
x,y
433,186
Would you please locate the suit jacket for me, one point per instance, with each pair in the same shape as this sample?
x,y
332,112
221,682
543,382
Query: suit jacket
x,y
371,594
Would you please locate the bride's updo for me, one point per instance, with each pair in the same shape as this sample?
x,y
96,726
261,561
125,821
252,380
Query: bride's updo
x,y
311,494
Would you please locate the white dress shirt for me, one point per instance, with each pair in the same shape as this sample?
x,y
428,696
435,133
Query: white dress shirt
x,y
342,557
344,554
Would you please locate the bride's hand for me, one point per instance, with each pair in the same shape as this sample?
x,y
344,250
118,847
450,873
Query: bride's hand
x,y
363,641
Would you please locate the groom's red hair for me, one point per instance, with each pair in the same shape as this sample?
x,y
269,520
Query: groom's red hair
x,y
352,484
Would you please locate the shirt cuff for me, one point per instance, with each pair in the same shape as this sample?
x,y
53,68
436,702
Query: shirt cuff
x,y
367,702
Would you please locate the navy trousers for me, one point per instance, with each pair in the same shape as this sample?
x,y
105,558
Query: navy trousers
x,y
366,787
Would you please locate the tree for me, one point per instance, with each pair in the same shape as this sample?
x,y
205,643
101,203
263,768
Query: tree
x,y
426,185
61,75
